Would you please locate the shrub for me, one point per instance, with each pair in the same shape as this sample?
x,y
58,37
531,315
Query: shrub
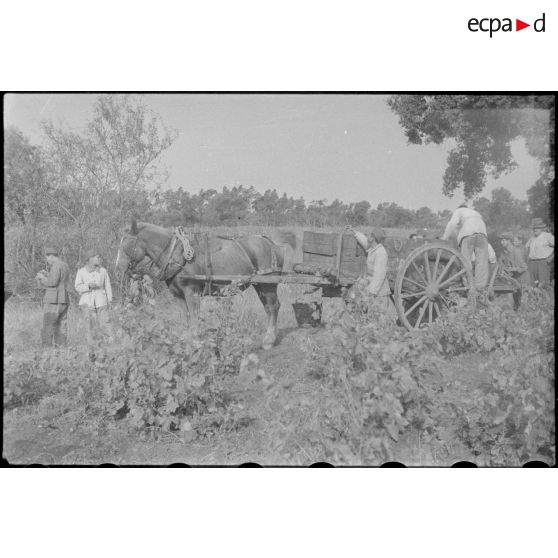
x,y
379,372
156,375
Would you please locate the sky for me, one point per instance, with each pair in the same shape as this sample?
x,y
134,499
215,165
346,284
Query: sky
x,y
349,147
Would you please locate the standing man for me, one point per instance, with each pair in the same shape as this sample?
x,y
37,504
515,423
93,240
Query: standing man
x,y
540,252
93,284
512,260
376,267
468,227
56,300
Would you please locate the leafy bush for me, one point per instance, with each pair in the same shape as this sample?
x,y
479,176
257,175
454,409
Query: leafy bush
x,y
512,419
156,375
484,329
377,383
380,374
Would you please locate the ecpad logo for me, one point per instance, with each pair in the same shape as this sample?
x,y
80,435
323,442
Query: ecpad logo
x,y
493,25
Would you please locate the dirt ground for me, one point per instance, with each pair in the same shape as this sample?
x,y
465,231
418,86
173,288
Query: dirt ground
x,y
276,410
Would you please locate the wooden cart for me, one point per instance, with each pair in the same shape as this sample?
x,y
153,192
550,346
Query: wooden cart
x,y
426,277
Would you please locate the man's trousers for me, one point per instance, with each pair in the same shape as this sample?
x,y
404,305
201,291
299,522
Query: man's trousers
x,y
477,244
55,325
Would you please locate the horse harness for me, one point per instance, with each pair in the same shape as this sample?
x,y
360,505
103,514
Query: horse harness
x,y
187,248
189,254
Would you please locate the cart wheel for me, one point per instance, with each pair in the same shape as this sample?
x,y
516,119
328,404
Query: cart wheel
x,y
426,281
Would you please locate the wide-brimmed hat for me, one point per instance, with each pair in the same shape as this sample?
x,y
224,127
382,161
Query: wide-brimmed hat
x,y
51,250
538,223
378,234
90,254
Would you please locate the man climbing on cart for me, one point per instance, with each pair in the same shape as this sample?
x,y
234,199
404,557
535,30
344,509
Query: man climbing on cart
x,y
468,227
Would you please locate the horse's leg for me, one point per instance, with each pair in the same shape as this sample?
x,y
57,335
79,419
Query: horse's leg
x,y
270,300
191,295
188,295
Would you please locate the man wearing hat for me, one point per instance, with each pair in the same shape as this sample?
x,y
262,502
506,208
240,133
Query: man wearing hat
x,y
540,252
93,284
376,267
56,299
469,229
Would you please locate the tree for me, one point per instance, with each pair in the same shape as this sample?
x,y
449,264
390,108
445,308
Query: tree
x,y
100,176
201,204
232,205
25,206
336,213
317,213
425,218
24,179
358,213
284,209
265,206
503,211
118,154
482,127
299,211
541,196
393,215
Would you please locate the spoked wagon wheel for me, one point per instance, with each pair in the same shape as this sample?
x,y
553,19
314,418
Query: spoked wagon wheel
x,y
426,281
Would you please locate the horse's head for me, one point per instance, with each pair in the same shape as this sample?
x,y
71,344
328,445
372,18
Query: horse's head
x,y
131,250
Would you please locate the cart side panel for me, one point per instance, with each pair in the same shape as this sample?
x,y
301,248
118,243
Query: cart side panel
x,y
322,249
324,244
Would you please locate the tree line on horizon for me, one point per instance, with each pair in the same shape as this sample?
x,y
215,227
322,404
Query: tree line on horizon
x,y
238,205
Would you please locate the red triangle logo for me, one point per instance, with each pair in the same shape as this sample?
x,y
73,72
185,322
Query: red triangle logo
x,y
519,25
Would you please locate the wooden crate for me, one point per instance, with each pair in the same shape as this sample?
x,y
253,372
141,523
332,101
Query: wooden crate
x,y
323,249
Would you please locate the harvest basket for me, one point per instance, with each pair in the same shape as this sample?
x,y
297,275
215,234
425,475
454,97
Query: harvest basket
x,y
308,314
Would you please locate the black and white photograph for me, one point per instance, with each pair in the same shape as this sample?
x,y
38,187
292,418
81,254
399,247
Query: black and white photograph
x,y
280,279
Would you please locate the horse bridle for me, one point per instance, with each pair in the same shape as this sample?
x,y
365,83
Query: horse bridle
x,y
162,270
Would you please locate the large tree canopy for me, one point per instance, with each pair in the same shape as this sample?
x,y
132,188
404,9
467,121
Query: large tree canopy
x,y
483,128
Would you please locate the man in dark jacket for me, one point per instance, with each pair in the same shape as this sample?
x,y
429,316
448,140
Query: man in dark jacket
x,y
512,259
56,299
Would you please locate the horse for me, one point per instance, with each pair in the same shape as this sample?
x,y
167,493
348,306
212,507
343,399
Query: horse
x,y
179,263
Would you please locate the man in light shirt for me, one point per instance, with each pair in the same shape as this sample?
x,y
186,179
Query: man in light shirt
x,y
93,284
467,226
540,252
377,284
